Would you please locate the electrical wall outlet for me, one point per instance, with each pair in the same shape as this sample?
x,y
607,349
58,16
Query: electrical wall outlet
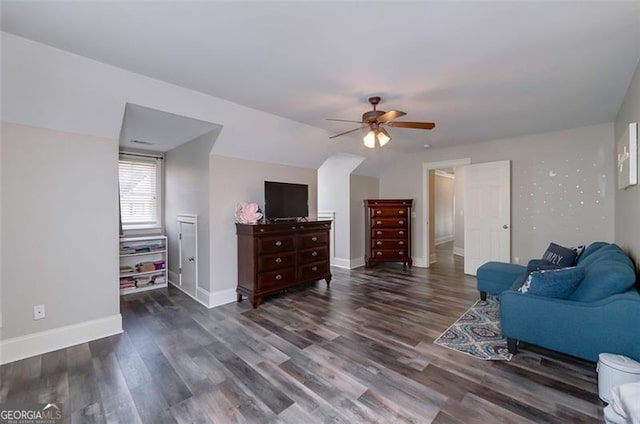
x,y
38,312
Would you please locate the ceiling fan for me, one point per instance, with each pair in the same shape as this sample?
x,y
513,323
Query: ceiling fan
x,y
375,120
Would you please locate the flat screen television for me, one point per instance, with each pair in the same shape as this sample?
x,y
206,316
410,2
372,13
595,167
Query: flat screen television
x,y
285,201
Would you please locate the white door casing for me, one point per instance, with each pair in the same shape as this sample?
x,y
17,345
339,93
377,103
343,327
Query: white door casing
x,y
188,254
487,214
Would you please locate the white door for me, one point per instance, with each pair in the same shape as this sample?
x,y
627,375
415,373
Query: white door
x,y
188,254
487,214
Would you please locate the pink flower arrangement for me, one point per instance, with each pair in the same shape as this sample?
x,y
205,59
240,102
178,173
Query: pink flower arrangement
x,y
248,213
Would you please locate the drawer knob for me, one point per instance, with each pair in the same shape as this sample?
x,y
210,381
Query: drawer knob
x,y
401,212
278,277
315,268
379,253
379,222
262,230
401,232
302,226
400,222
379,233
278,243
314,253
379,243
401,253
401,243
314,238
379,212
278,260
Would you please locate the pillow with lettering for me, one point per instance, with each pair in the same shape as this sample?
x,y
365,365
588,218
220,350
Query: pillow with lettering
x,y
558,255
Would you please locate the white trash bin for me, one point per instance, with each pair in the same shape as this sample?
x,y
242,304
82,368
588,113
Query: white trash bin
x,y
614,370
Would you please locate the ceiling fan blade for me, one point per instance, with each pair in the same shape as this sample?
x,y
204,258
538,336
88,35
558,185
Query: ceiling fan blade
x,y
415,125
347,132
342,120
388,116
384,131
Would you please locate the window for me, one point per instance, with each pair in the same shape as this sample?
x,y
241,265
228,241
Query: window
x,y
140,188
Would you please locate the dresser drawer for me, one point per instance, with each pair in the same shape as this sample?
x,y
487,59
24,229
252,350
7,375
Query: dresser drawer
x,y
387,234
316,270
389,244
275,279
313,255
275,244
313,240
388,212
276,261
390,254
389,222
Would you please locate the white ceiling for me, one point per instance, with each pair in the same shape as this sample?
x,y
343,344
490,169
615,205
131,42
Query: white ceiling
x,y
480,70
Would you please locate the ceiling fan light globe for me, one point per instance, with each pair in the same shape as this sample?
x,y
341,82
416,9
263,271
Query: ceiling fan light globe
x,y
383,138
370,139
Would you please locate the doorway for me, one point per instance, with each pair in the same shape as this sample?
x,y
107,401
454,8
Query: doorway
x,y
444,237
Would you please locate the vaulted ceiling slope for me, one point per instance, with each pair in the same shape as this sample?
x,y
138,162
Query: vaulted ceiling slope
x,y
480,70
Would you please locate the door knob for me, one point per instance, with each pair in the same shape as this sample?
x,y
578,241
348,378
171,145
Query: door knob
x,y
191,259
505,226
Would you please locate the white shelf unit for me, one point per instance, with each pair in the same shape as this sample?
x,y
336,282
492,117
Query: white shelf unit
x,y
138,254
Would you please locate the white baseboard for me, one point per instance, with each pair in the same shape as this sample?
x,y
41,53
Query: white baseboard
x,y
419,262
348,263
458,251
433,258
444,239
208,299
34,344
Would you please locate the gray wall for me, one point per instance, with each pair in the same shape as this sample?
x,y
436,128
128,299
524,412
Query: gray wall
x,y
59,228
233,181
186,170
562,186
627,232
361,188
443,208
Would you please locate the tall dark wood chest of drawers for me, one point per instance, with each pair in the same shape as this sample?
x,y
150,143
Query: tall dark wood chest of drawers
x,y
388,231
275,257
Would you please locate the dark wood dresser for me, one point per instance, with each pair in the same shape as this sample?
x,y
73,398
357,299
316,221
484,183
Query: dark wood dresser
x,y
275,257
388,231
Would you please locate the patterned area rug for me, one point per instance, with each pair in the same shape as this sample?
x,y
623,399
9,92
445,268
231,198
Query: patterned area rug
x,y
477,333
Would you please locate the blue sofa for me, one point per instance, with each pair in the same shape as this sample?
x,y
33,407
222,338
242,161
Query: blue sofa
x,y
601,315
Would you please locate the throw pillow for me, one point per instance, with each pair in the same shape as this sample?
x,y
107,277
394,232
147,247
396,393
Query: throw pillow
x,y
558,255
556,283
578,251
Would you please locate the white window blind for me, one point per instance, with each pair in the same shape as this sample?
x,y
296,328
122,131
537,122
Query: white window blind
x,y
139,185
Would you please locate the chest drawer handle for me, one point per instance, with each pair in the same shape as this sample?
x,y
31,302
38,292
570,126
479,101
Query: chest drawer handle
x,y
401,212
379,243
400,243
379,253
401,253
314,253
278,243
379,212
278,277
262,230
401,232
293,228
315,268
401,222
379,233
314,238
278,260
379,222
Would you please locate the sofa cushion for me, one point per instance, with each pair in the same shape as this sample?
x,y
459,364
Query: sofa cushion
x,y
556,283
559,255
592,248
605,277
496,277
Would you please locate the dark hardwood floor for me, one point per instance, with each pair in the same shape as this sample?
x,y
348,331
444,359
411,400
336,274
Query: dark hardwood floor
x,y
359,351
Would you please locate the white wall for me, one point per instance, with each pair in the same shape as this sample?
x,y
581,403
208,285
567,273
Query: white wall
x,y
627,232
361,188
233,181
443,209
458,192
562,186
187,192
60,231
334,180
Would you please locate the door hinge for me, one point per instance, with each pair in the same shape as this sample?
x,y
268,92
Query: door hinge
x,y
180,270
180,236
